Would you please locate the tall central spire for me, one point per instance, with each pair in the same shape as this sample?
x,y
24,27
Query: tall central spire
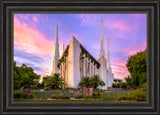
x,y
102,41
57,44
55,69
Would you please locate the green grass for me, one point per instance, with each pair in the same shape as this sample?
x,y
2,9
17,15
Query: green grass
x,y
29,100
115,94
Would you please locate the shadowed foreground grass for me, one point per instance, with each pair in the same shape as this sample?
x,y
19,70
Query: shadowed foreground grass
x,y
31,100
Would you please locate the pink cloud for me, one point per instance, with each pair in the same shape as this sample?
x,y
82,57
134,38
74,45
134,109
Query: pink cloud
x,y
45,70
31,40
119,68
141,48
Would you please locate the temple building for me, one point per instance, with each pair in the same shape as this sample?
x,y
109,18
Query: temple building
x,y
77,62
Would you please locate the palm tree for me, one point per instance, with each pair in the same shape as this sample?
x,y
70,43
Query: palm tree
x,y
97,81
86,82
54,82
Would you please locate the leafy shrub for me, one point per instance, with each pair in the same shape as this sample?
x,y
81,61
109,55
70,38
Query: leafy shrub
x,y
54,96
18,95
114,85
134,95
65,97
118,85
123,85
144,87
97,95
51,90
29,96
88,97
140,96
56,91
44,98
62,96
125,98
69,88
78,96
46,89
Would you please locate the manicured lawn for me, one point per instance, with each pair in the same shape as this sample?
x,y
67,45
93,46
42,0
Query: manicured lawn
x,y
30,100
115,94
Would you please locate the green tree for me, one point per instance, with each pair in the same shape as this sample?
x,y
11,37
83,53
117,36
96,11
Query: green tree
x,y
94,82
86,82
137,66
53,82
97,81
24,77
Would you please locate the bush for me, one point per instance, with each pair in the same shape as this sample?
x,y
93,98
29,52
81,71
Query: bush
x,y
125,98
134,95
62,96
97,95
123,85
144,87
114,85
44,98
29,96
54,96
56,91
78,96
140,96
65,97
88,97
118,85
18,95
69,88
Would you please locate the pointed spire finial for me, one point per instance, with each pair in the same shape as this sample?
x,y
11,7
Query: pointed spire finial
x,y
102,27
102,41
57,34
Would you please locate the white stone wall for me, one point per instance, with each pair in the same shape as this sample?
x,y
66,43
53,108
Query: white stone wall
x,y
76,54
103,71
70,64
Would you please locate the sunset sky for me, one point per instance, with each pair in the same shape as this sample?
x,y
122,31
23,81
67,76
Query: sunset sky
x,y
35,35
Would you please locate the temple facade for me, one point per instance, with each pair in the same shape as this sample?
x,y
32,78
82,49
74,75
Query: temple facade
x,y
77,62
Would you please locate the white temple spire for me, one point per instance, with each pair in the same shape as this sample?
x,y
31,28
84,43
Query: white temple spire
x,y
108,57
57,44
56,55
102,41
